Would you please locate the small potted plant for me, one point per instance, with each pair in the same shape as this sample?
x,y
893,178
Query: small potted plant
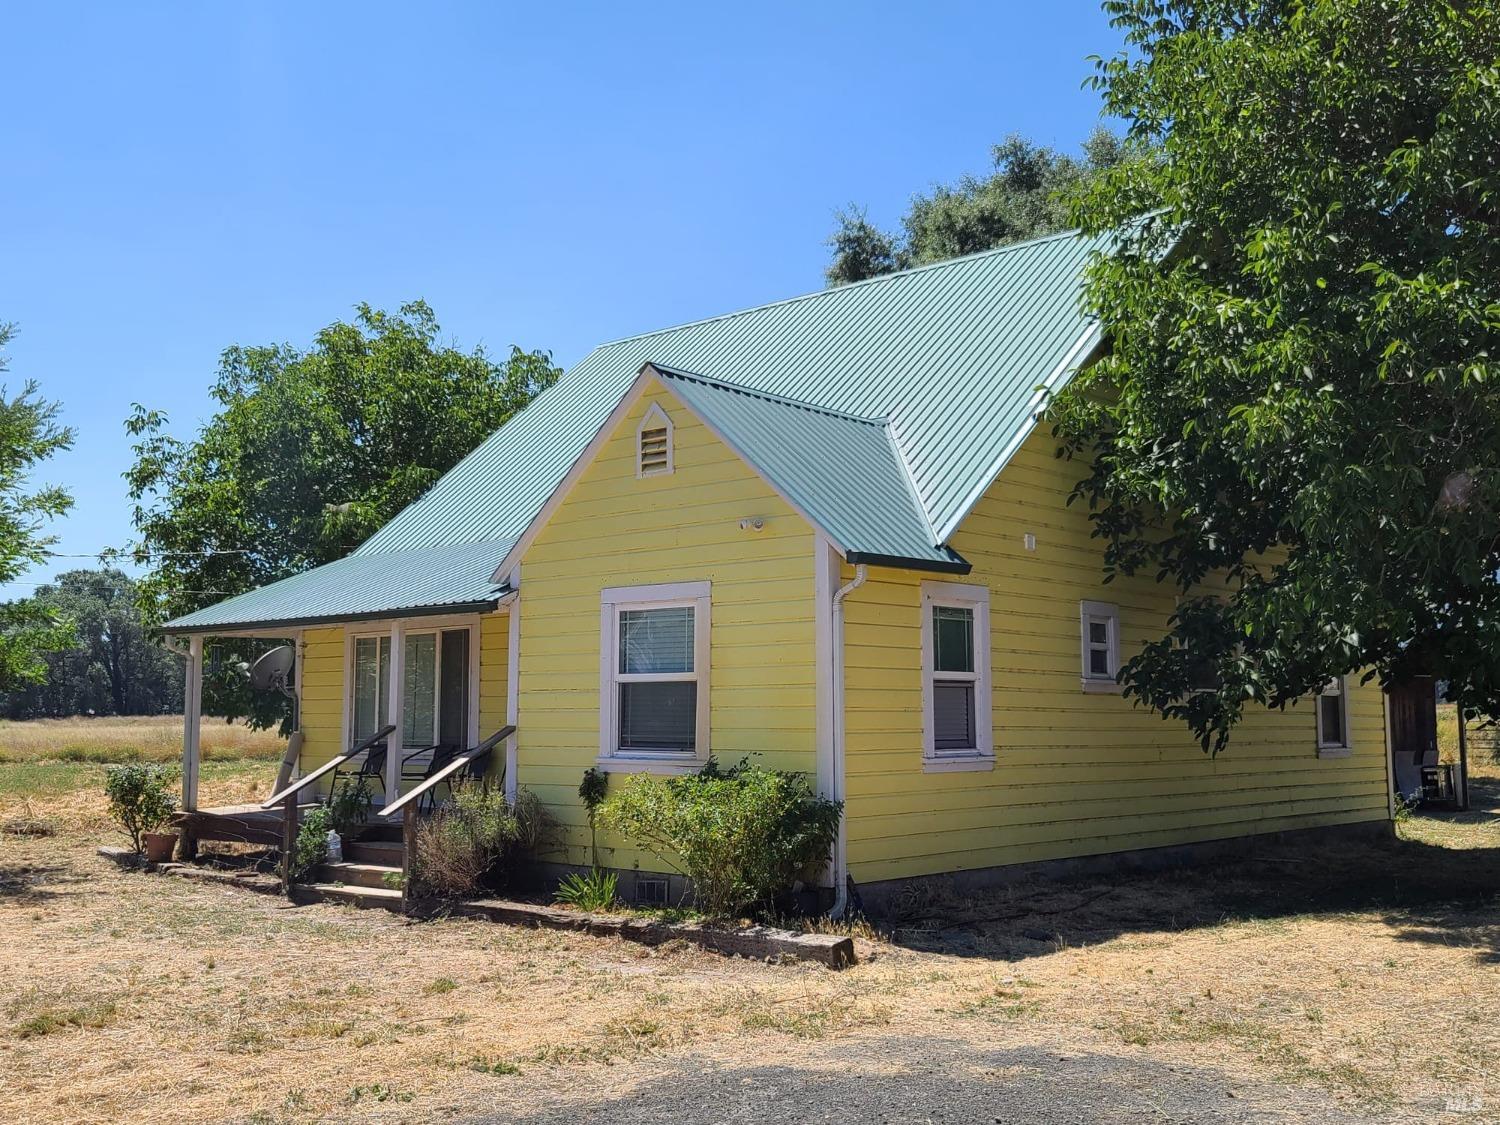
x,y
141,800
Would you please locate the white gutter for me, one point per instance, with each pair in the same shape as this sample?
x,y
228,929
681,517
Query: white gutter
x,y
840,847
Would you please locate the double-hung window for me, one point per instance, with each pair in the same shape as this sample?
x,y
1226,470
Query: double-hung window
x,y
1333,719
958,726
653,690
1100,627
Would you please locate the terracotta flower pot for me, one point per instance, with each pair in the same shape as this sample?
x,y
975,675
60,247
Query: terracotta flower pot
x,y
159,846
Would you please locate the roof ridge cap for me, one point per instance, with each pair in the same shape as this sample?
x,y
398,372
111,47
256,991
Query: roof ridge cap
x,y
994,251
770,396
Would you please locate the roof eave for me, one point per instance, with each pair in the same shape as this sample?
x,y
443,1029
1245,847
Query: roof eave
x,y
228,628
957,565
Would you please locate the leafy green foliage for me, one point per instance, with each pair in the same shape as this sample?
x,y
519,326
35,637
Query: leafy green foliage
x,y
743,835
29,435
140,798
113,667
349,807
475,840
592,790
593,890
1026,195
311,451
1300,390
310,848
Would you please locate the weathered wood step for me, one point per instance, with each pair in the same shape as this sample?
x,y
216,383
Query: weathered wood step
x,y
357,874
386,853
381,898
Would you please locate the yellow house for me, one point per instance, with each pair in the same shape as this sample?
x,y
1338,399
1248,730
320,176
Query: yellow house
x,y
829,532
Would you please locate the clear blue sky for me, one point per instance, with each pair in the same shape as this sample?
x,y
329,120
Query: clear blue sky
x,y
180,177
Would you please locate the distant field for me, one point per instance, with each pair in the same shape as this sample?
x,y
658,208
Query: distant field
x,y
154,738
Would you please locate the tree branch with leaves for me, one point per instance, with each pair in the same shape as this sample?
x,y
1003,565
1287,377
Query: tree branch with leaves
x,y
1299,390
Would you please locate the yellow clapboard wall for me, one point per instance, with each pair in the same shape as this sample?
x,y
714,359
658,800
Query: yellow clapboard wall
x,y
494,664
615,529
1076,773
322,695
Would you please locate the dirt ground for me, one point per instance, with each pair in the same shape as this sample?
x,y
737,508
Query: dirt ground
x,y
1368,976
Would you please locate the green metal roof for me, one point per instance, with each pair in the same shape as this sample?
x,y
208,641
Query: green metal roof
x,y
841,470
394,583
949,357
951,354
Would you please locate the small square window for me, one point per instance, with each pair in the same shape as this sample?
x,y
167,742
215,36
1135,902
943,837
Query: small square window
x,y
1333,716
1100,631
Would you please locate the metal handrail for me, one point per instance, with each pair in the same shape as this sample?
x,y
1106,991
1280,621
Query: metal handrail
x,y
458,763
303,782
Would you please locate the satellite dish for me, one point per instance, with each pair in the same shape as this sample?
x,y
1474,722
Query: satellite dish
x,y
270,671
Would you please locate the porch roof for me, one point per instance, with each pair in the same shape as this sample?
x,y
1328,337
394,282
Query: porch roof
x,y
443,579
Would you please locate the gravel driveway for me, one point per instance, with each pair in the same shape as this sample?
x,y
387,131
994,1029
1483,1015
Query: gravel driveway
x,y
936,1080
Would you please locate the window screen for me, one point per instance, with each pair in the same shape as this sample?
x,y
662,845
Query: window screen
x,y
656,641
953,699
658,700
419,697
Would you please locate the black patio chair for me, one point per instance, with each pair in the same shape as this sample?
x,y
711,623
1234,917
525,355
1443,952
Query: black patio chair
x,y
442,757
372,768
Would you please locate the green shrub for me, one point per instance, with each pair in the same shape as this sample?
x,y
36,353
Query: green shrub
x,y
594,889
311,846
534,824
592,790
140,798
743,835
349,807
475,840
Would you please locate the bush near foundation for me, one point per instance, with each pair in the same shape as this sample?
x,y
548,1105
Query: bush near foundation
x,y
476,840
743,835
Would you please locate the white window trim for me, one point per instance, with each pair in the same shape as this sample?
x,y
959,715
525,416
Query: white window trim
x,y
434,624
1328,749
1093,611
655,418
981,756
614,599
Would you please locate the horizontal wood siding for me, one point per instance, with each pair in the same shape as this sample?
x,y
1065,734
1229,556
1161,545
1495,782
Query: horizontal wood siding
x,y
1076,773
322,695
494,663
615,529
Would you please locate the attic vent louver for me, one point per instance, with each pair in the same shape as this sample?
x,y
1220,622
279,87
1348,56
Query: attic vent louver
x,y
654,443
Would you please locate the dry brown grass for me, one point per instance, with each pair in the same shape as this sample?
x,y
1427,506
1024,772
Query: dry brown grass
x,y
147,738
1371,973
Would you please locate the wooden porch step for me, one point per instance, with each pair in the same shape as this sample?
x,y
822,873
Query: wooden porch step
x,y
386,853
356,874
380,898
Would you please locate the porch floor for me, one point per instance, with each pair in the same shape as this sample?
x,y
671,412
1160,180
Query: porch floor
x,y
251,824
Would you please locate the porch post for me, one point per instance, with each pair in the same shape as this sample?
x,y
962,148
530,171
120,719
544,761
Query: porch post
x,y
1463,758
192,710
396,697
513,687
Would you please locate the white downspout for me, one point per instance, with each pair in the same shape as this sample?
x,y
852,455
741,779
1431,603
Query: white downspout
x,y
840,855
